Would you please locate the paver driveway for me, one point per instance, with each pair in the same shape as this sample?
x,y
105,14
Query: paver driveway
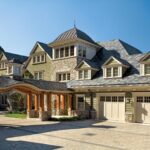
x,y
22,134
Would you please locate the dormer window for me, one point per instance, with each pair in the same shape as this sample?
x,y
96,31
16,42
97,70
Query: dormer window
x,y
147,69
39,58
113,68
83,74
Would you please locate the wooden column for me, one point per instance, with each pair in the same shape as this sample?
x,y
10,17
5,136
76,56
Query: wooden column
x,y
57,104
63,102
29,102
69,104
36,104
41,102
48,101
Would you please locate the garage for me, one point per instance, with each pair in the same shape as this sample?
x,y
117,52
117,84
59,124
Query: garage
x,y
112,108
143,109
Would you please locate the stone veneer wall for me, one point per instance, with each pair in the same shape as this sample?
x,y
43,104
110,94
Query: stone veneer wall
x,y
65,65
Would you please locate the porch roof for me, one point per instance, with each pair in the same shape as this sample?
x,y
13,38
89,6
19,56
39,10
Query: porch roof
x,y
41,85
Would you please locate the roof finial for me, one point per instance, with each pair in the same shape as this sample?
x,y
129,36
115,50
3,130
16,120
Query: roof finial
x,y
74,23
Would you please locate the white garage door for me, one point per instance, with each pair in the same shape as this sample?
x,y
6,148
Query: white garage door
x,y
143,109
112,108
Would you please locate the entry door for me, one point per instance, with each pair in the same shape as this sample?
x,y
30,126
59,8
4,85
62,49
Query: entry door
x,y
143,109
112,108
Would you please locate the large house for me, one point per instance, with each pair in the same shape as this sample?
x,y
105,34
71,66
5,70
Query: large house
x,y
102,80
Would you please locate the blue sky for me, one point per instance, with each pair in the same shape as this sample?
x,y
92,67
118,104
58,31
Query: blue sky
x,y
26,21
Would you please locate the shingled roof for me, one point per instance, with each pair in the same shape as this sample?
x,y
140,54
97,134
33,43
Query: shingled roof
x,y
74,33
15,57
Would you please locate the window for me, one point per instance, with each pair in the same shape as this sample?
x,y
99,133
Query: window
x,y
66,51
61,52
115,71
80,74
17,70
38,58
83,74
63,76
34,59
2,65
57,53
10,69
82,51
108,72
112,72
147,69
72,50
140,99
39,75
42,57
80,102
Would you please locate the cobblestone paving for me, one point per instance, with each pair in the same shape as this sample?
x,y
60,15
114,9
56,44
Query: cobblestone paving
x,y
22,134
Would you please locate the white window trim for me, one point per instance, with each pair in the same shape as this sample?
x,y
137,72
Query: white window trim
x,y
142,69
61,73
112,73
83,74
40,55
38,72
80,95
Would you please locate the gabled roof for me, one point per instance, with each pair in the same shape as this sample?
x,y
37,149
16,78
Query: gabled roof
x,y
44,46
74,33
147,55
119,60
121,47
12,56
90,64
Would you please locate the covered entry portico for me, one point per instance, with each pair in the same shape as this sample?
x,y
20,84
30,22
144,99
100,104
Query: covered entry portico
x,y
40,95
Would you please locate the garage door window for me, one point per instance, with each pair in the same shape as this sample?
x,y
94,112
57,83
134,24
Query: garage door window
x,y
112,99
147,99
143,99
140,99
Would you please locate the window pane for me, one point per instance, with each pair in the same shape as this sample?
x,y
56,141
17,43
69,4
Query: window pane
x,y
84,53
108,72
80,74
62,52
64,76
36,76
115,72
57,53
68,76
38,58
80,51
86,74
81,103
43,57
147,69
34,59
40,75
66,51
72,50
59,77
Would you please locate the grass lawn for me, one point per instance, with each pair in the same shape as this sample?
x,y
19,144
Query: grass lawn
x,y
16,115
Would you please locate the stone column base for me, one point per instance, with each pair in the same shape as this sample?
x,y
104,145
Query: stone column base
x,y
44,115
31,114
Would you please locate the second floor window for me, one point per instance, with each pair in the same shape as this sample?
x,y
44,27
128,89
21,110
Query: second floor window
x,y
39,75
111,72
10,69
39,58
82,51
64,52
63,76
2,65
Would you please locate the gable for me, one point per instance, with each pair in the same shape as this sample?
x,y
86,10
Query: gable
x,y
84,65
112,62
146,58
3,57
38,49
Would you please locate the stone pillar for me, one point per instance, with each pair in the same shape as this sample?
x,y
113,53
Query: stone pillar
x,y
69,104
57,104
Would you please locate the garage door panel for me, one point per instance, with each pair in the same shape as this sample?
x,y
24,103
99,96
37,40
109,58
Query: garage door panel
x,y
112,108
143,109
